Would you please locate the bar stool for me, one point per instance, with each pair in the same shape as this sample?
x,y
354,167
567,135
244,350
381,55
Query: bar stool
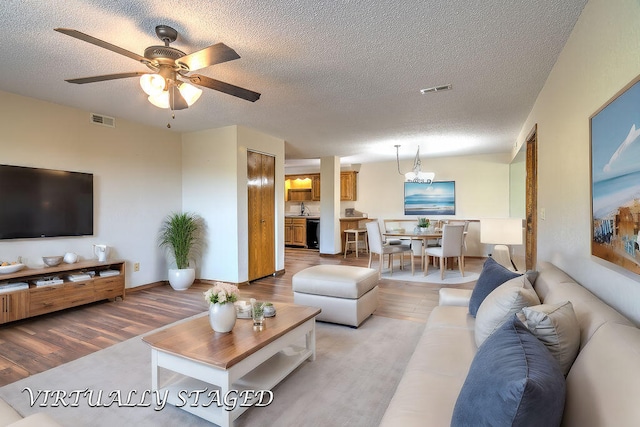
x,y
359,236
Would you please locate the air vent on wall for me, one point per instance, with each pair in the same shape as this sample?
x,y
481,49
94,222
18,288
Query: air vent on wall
x,y
103,120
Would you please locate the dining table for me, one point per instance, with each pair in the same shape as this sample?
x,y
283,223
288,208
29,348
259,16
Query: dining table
x,y
417,235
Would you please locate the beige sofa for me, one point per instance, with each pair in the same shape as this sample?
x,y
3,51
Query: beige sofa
x,y
602,386
9,417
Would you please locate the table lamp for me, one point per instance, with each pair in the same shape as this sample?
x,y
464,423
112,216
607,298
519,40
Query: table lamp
x,y
502,232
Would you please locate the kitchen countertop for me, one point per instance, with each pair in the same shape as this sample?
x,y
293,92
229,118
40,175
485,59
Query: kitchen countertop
x,y
303,216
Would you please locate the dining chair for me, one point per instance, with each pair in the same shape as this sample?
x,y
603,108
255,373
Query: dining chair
x,y
464,234
452,246
376,246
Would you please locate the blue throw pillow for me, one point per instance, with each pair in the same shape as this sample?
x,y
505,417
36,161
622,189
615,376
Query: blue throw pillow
x,y
513,381
492,276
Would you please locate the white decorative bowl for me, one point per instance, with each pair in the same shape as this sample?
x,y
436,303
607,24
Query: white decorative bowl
x,y
12,268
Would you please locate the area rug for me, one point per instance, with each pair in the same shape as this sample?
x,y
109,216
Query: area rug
x,y
350,383
451,277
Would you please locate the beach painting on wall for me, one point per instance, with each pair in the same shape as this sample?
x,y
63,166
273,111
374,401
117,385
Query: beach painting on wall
x,y
437,198
615,179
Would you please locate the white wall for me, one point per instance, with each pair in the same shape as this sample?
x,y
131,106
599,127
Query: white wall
x,y
214,186
482,186
600,58
137,180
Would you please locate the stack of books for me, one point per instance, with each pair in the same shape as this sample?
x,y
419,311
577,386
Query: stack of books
x,y
107,273
48,281
10,287
78,277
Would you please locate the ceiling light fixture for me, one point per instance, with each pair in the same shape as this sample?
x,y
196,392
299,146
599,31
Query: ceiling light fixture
x,y
416,175
436,89
158,88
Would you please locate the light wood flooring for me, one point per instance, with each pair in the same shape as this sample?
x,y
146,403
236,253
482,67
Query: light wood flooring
x,y
34,345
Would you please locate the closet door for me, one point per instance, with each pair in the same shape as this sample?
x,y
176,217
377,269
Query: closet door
x,y
261,203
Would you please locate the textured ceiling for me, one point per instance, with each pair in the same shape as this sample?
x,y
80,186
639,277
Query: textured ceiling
x,y
336,77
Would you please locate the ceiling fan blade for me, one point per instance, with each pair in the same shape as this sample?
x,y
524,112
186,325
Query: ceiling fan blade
x,y
89,39
227,88
214,54
105,77
176,100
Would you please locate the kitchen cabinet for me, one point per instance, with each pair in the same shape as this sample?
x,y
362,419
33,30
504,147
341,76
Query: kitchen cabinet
x,y
315,187
295,232
299,188
349,186
299,194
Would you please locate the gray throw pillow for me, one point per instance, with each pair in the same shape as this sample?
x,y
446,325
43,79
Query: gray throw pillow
x,y
556,326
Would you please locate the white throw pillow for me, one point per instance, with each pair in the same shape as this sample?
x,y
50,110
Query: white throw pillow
x,y
556,325
501,304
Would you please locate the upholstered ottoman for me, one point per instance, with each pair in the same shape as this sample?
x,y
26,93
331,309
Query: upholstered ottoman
x,y
346,294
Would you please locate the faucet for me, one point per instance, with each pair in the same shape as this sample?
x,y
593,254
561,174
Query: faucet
x,y
301,208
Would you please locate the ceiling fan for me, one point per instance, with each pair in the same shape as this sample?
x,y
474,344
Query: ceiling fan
x,y
170,84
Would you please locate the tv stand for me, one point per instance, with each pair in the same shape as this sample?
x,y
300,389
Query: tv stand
x,y
35,300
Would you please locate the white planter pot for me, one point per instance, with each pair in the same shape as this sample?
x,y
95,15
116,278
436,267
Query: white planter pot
x,y
222,317
181,279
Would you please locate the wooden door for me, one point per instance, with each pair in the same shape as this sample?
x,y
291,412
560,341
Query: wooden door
x,y
531,232
261,228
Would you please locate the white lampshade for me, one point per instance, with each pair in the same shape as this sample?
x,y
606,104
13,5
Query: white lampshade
x,y
160,100
501,231
190,93
152,84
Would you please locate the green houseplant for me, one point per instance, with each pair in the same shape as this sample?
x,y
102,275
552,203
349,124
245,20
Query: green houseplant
x,y
181,236
423,222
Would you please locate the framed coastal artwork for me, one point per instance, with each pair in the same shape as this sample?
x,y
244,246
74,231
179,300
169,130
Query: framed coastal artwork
x,y
615,179
437,198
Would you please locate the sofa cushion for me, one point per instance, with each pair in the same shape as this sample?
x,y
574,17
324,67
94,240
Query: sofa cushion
x,y
513,381
556,326
491,276
590,310
603,384
501,304
8,415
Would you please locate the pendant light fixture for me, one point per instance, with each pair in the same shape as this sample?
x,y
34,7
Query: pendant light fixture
x,y
416,175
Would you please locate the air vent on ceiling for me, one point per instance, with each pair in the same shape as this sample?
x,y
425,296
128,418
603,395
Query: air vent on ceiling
x,y
435,89
103,120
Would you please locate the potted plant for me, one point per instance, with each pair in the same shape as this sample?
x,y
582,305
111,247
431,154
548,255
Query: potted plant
x,y
423,223
181,236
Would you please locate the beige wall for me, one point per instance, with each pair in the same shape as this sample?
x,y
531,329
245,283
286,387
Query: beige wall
x,y
137,180
600,58
214,186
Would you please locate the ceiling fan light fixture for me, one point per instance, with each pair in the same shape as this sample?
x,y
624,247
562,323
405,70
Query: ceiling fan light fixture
x,y
160,100
153,84
189,92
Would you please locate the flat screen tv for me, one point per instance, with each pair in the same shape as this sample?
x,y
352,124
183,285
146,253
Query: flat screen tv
x,y
436,198
44,203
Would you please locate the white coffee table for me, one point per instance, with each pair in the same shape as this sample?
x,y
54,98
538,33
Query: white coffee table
x,y
233,364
